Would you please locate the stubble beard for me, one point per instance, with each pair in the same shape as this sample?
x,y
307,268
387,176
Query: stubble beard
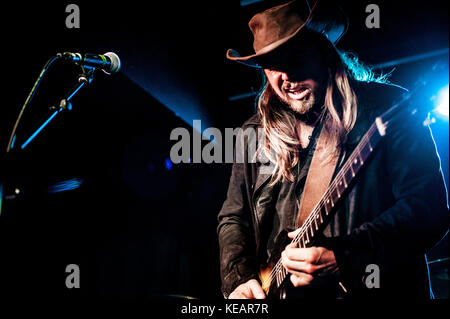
x,y
306,109
301,107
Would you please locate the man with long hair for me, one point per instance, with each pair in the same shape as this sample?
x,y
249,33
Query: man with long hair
x,y
393,215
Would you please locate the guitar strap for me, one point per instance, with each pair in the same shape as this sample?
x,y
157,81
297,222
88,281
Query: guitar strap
x,y
319,177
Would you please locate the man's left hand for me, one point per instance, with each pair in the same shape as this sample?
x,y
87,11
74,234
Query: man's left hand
x,y
305,264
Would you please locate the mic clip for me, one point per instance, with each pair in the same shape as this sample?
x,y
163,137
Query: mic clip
x,y
87,74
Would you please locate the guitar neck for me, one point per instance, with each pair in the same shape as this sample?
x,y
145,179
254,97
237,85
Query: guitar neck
x,y
338,188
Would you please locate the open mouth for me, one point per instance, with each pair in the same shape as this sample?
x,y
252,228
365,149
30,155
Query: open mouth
x,y
298,93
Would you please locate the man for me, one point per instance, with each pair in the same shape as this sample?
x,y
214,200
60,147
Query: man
x,y
394,214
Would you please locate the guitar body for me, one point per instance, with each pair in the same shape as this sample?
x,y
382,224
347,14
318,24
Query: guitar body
x,y
272,290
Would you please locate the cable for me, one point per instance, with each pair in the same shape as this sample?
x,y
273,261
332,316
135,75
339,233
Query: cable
x,y
29,98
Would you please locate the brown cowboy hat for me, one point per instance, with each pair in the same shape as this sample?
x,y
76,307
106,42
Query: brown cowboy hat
x,y
276,26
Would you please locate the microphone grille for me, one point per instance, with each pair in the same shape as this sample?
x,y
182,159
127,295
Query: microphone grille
x,y
115,62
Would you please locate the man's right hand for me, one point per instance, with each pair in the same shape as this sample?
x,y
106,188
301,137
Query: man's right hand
x,y
249,290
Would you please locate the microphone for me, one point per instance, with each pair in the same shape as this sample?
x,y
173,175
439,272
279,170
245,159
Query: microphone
x,y
108,62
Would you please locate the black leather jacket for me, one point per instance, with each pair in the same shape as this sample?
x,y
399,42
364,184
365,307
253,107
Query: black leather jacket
x,y
394,214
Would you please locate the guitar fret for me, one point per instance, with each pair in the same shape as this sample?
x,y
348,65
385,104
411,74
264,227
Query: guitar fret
x,y
343,184
321,211
358,154
367,150
330,200
348,175
343,181
283,275
302,243
357,165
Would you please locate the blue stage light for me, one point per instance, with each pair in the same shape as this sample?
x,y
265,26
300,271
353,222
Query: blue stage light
x,y
441,102
168,164
66,185
1,197
248,2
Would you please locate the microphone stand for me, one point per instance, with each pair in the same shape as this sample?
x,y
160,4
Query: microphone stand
x,y
86,77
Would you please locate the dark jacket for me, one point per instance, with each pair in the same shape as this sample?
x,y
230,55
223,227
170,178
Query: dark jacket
x,y
394,214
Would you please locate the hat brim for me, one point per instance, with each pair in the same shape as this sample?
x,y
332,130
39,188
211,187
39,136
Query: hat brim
x,y
252,60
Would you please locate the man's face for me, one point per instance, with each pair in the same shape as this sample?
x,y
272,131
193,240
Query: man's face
x,y
298,75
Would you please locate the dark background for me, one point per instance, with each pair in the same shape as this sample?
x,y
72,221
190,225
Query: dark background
x,y
137,227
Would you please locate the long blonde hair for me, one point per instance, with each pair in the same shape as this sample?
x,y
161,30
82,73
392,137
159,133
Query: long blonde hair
x,y
282,143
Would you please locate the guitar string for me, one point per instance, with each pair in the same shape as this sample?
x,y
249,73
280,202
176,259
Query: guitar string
x,y
309,220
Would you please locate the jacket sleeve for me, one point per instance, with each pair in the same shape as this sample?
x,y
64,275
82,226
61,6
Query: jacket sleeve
x,y
416,221
238,262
